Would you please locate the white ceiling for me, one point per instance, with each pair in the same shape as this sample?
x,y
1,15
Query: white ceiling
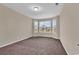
x,y
46,10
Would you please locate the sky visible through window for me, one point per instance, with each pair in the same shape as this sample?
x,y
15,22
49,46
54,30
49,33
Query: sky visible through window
x,y
45,23
36,24
45,26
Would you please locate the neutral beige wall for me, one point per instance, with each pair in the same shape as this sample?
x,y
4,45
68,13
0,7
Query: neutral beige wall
x,y
69,28
13,26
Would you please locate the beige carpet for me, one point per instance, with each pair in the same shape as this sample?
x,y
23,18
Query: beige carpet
x,y
35,46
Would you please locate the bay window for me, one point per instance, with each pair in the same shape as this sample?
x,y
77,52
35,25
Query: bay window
x,y
44,26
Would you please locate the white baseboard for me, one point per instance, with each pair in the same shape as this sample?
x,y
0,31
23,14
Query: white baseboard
x,y
65,48
14,42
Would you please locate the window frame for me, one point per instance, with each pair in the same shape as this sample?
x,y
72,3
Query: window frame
x,y
43,20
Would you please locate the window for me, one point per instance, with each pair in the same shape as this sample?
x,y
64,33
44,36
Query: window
x,y
44,26
35,26
54,25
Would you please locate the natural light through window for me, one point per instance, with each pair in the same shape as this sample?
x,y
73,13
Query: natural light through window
x,y
35,26
44,26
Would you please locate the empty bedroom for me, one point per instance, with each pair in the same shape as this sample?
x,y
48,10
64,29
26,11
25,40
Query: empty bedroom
x,y
39,29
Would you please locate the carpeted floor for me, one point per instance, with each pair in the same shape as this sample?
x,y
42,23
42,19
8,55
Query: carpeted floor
x,y
35,46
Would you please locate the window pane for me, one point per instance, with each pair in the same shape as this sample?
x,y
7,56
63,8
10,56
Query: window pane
x,y
35,26
54,26
45,26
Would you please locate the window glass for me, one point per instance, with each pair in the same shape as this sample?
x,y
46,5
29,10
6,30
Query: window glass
x,y
35,26
54,25
45,26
